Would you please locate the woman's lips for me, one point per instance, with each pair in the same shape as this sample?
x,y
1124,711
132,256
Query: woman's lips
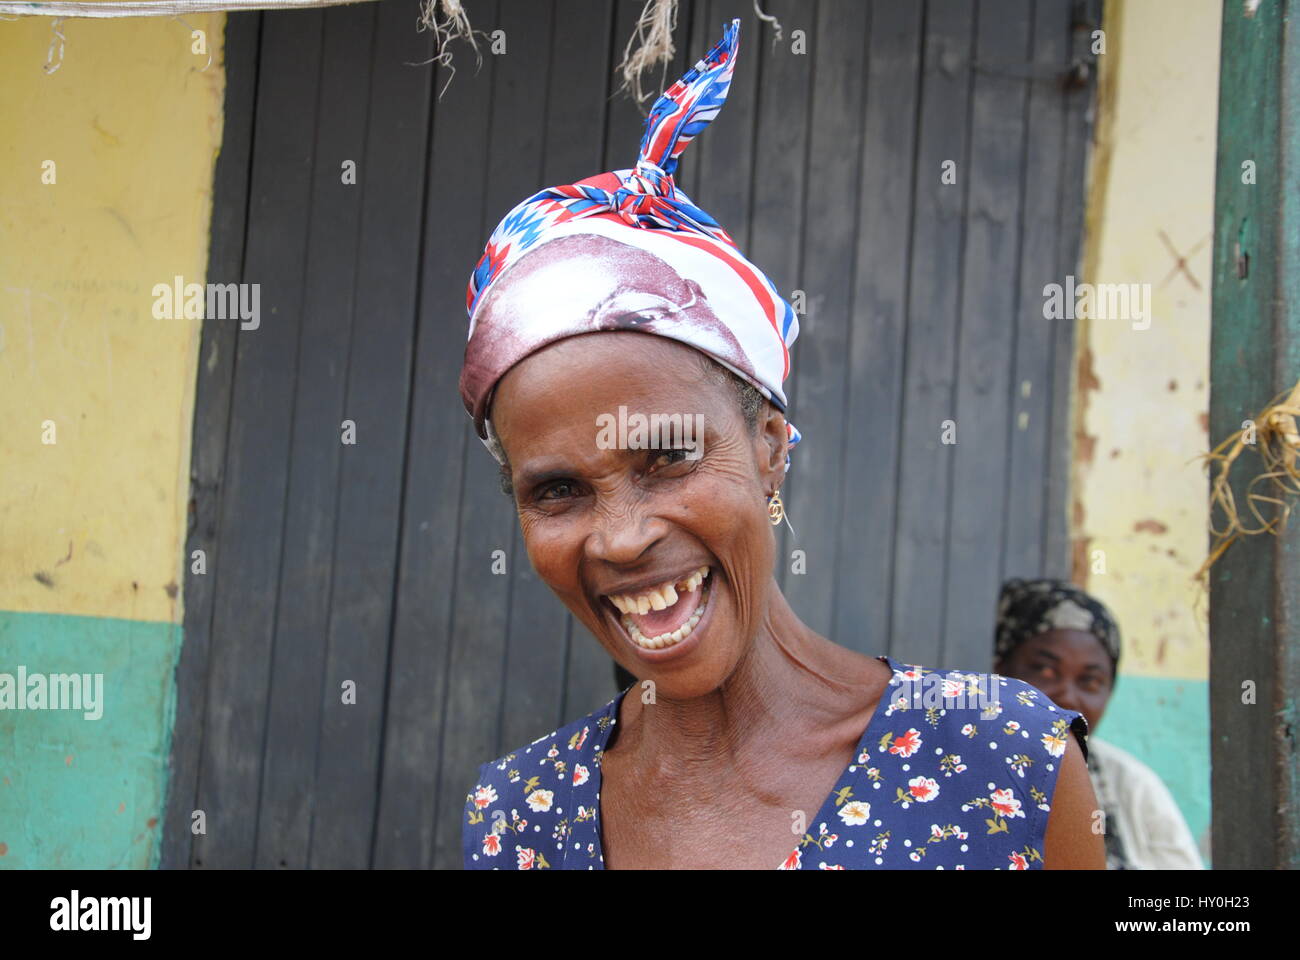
x,y
666,615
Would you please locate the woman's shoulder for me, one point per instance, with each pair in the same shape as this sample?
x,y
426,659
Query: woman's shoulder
x,y
957,771
983,704
526,800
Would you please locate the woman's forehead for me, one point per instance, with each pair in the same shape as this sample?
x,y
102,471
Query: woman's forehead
x,y
572,381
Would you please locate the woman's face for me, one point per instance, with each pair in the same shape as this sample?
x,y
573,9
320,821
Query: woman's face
x,y
1070,666
615,531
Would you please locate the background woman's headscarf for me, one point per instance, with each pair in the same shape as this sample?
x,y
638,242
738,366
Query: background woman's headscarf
x,y
644,209
1027,608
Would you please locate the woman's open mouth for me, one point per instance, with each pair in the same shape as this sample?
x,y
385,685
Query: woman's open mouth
x,y
665,615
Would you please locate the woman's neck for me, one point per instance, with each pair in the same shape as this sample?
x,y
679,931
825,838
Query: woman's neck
x,y
790,685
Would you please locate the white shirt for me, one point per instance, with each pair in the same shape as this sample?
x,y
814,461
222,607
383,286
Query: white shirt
x,y
1140,813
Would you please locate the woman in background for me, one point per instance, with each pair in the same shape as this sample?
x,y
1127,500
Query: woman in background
x,y
1066,643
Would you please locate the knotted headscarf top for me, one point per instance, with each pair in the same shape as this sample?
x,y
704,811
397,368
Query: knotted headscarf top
x,y
1027,608
736,316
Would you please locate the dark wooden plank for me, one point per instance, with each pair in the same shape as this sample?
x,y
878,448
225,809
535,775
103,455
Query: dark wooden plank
x,y
211,425
416,806
777,215
938,227
472,731
370,483
816,487
253,500
289,789
1086,15
872,439
1024,536
986,333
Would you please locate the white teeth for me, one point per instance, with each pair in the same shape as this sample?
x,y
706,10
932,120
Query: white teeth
x,y
666,639
661,597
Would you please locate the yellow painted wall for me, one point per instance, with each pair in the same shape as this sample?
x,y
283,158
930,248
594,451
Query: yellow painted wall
x,y
1143,395
92,526
132,122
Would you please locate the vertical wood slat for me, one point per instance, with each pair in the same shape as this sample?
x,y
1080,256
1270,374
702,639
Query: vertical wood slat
x,y
289,786
212,408
987,332
873,440
413,828
932,328
1028,469
461,665
815,487
778,190
370,479
247,562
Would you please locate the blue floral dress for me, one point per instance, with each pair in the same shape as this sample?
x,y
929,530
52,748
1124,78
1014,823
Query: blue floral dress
x,y
954,771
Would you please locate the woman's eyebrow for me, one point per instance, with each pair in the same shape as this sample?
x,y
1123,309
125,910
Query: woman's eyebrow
x,y
534,477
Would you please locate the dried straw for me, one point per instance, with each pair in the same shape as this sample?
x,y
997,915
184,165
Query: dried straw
x,y
1277,442
447,20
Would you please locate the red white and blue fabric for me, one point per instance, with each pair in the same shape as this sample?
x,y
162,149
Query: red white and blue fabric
x,y
642,207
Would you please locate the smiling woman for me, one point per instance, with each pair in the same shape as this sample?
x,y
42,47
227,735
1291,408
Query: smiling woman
x,y
755,742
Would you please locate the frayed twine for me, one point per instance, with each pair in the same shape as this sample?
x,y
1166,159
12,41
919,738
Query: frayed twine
x,y
1277,441
653,42
447,21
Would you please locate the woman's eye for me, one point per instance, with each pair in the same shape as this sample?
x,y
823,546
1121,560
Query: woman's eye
x,y
667,458
558,490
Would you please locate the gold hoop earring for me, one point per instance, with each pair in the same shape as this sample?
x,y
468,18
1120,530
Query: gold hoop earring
x,y
775,508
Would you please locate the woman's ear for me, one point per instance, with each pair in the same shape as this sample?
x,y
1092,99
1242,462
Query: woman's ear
x,y
774,443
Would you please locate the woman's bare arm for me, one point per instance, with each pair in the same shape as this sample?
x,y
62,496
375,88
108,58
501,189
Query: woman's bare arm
x,y
1071,841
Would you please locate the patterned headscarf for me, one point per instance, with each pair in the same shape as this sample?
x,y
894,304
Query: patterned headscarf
x,y
1030,607
641,224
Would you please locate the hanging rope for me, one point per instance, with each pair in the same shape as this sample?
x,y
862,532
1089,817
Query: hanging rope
x,y
1270,492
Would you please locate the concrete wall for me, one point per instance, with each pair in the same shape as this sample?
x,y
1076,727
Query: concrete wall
x,y
1142,396
92,525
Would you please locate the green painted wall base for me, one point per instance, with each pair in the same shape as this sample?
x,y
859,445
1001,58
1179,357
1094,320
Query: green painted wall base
x,y
1165,723
85,793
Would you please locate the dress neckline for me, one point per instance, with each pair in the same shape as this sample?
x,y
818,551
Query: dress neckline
x,y
827,809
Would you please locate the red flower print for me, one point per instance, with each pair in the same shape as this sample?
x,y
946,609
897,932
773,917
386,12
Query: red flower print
x,y
483,796
580,774
1005,803
792,862
526,857
492,844
923,789
907,744
1018,862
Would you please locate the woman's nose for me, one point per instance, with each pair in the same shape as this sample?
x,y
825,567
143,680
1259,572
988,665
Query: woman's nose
x,y
624,536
